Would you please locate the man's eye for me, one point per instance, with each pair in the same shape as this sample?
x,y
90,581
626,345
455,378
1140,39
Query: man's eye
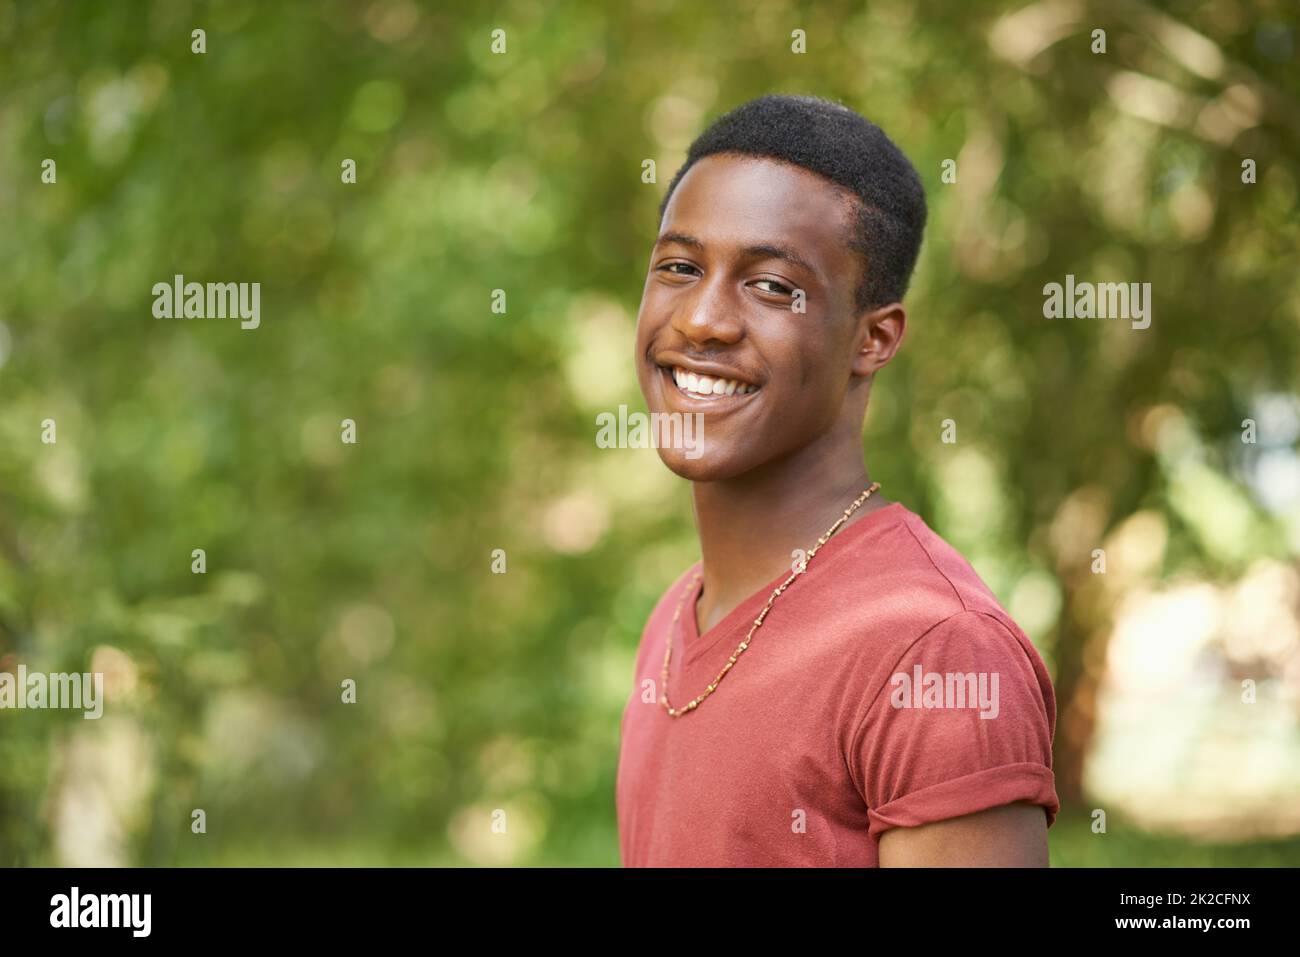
x,y
780,289
689,270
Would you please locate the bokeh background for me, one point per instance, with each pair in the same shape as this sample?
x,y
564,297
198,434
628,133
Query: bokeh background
x,y
522,171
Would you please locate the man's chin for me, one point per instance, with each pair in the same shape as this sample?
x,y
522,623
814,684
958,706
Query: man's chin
x,y
698,465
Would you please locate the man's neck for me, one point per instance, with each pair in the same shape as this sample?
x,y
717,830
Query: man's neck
x,y
750,526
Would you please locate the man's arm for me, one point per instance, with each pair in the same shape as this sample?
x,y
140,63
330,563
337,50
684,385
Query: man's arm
x,y
1013,835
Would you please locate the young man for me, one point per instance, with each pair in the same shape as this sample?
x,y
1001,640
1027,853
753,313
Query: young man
x,y
862,702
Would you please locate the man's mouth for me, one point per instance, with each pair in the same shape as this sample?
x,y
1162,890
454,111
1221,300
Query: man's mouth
x,y
706,387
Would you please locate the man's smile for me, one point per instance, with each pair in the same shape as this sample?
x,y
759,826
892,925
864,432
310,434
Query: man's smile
x,y
702,385
697,385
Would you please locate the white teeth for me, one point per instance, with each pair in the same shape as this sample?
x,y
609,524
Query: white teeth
x,y
703,385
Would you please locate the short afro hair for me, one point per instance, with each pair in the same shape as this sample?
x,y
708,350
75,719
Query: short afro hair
x,y
849,150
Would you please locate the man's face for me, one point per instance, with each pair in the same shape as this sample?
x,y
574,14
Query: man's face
x,y
739,236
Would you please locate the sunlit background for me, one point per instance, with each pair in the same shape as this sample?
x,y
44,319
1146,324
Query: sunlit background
x,y
1177,668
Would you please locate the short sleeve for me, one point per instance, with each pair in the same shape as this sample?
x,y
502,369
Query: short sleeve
x,y
963,723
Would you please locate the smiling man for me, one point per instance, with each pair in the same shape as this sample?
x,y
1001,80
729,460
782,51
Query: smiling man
x,y
832,684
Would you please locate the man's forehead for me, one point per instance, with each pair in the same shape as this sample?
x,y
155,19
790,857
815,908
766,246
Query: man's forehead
x,y
757,180
734,200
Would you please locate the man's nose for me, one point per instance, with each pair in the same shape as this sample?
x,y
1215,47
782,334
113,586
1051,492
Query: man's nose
x,y
709,313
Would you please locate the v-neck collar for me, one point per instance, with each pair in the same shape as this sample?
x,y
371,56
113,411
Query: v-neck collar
x,y
696,644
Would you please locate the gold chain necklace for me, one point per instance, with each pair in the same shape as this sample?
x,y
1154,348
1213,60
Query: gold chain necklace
x,y
735,656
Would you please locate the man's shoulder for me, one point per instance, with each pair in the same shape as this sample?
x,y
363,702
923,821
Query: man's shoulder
x,y
914,571
946,562
667,602
920,592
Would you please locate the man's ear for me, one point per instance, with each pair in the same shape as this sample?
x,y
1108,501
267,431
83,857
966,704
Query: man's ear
x,y
880,333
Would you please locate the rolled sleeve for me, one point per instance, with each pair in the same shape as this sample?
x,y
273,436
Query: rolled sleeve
x,y
925,753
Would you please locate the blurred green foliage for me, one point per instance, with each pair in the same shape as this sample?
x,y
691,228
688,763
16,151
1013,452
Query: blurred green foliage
x,y
522,172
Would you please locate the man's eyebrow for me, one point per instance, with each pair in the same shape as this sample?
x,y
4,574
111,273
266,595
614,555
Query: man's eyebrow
x,y
763,250
682,239
773,251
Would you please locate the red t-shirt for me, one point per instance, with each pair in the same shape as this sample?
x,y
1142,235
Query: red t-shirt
x,y
886,688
